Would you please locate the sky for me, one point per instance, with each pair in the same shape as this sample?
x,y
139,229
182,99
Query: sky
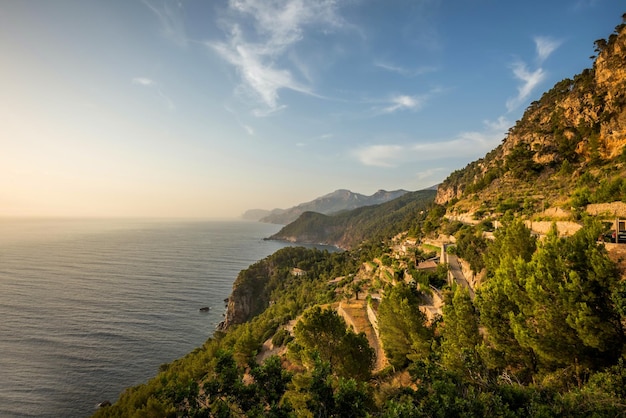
x,y
204,109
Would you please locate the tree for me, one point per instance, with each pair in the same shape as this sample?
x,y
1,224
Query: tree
x,y
270,382
339,398
513,239
496,299
568,315
357,287
324,332
471,246
461,339
520,162
403,331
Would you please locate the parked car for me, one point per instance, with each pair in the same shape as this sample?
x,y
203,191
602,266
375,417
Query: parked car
x,y
611,236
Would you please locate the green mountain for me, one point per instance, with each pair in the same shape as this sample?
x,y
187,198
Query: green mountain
x,y
348,229
509,323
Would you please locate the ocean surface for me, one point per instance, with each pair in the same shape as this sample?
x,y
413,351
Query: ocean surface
x,y
90,307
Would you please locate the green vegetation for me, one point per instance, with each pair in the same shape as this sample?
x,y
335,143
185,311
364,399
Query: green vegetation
x,y
404,333
369,223
543,337
322,335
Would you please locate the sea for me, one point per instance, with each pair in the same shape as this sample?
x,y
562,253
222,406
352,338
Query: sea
x,y
90,307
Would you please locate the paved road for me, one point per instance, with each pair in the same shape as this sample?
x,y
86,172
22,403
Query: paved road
x,y
457,273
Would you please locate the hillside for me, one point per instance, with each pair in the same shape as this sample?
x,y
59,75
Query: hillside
x,y
334,202
350,228
425,315
573,137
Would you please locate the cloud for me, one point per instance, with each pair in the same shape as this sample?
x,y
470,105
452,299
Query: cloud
x,y
248,129
380,155
428,174
545,47
470,144
403,102
143,81
585,4
530,81
277,26
171,17
407,72
148,82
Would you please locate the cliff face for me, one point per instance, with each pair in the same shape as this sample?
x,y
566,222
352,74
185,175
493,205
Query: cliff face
x,y
581,120
249,296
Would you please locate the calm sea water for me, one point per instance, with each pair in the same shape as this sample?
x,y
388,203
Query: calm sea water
x,y
90,307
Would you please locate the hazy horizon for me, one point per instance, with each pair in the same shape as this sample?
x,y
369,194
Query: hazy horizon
x,y
155,109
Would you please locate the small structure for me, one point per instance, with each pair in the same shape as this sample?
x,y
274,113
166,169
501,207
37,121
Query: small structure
x,y
336,280
298,272
428,265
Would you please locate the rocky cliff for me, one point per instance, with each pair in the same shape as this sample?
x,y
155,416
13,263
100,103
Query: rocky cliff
x,y
578,122
249,296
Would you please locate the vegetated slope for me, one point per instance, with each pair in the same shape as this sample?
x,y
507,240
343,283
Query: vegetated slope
x,y
350,228
253,288
544,335
579,126
337,201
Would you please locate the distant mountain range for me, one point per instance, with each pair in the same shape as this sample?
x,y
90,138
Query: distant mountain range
x,y
337,201
347,229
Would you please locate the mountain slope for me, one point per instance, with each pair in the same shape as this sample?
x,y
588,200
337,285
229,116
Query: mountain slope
x,y
578,126
543,337
348,229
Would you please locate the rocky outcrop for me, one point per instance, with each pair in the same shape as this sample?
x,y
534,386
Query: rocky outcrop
x,y
580,120
249,296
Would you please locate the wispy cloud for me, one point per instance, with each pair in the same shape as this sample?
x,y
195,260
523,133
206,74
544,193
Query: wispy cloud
x,y
429,174
143,81
466,144
585,4
404,102
401,102
544,47
529,80
407,72
171,17
277,26
248,129
150,83
380,155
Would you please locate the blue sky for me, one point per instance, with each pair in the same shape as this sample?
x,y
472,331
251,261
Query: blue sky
x,y
208,108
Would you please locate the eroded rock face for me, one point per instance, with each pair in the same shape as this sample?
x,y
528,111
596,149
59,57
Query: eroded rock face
x,y
249,296
238,309
585,117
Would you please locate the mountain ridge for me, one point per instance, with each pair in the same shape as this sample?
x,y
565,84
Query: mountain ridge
x,y
348,229
336,201
577,126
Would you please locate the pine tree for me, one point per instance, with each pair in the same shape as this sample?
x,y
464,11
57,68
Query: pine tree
x,y
568,316
403,331
460,335
498,298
